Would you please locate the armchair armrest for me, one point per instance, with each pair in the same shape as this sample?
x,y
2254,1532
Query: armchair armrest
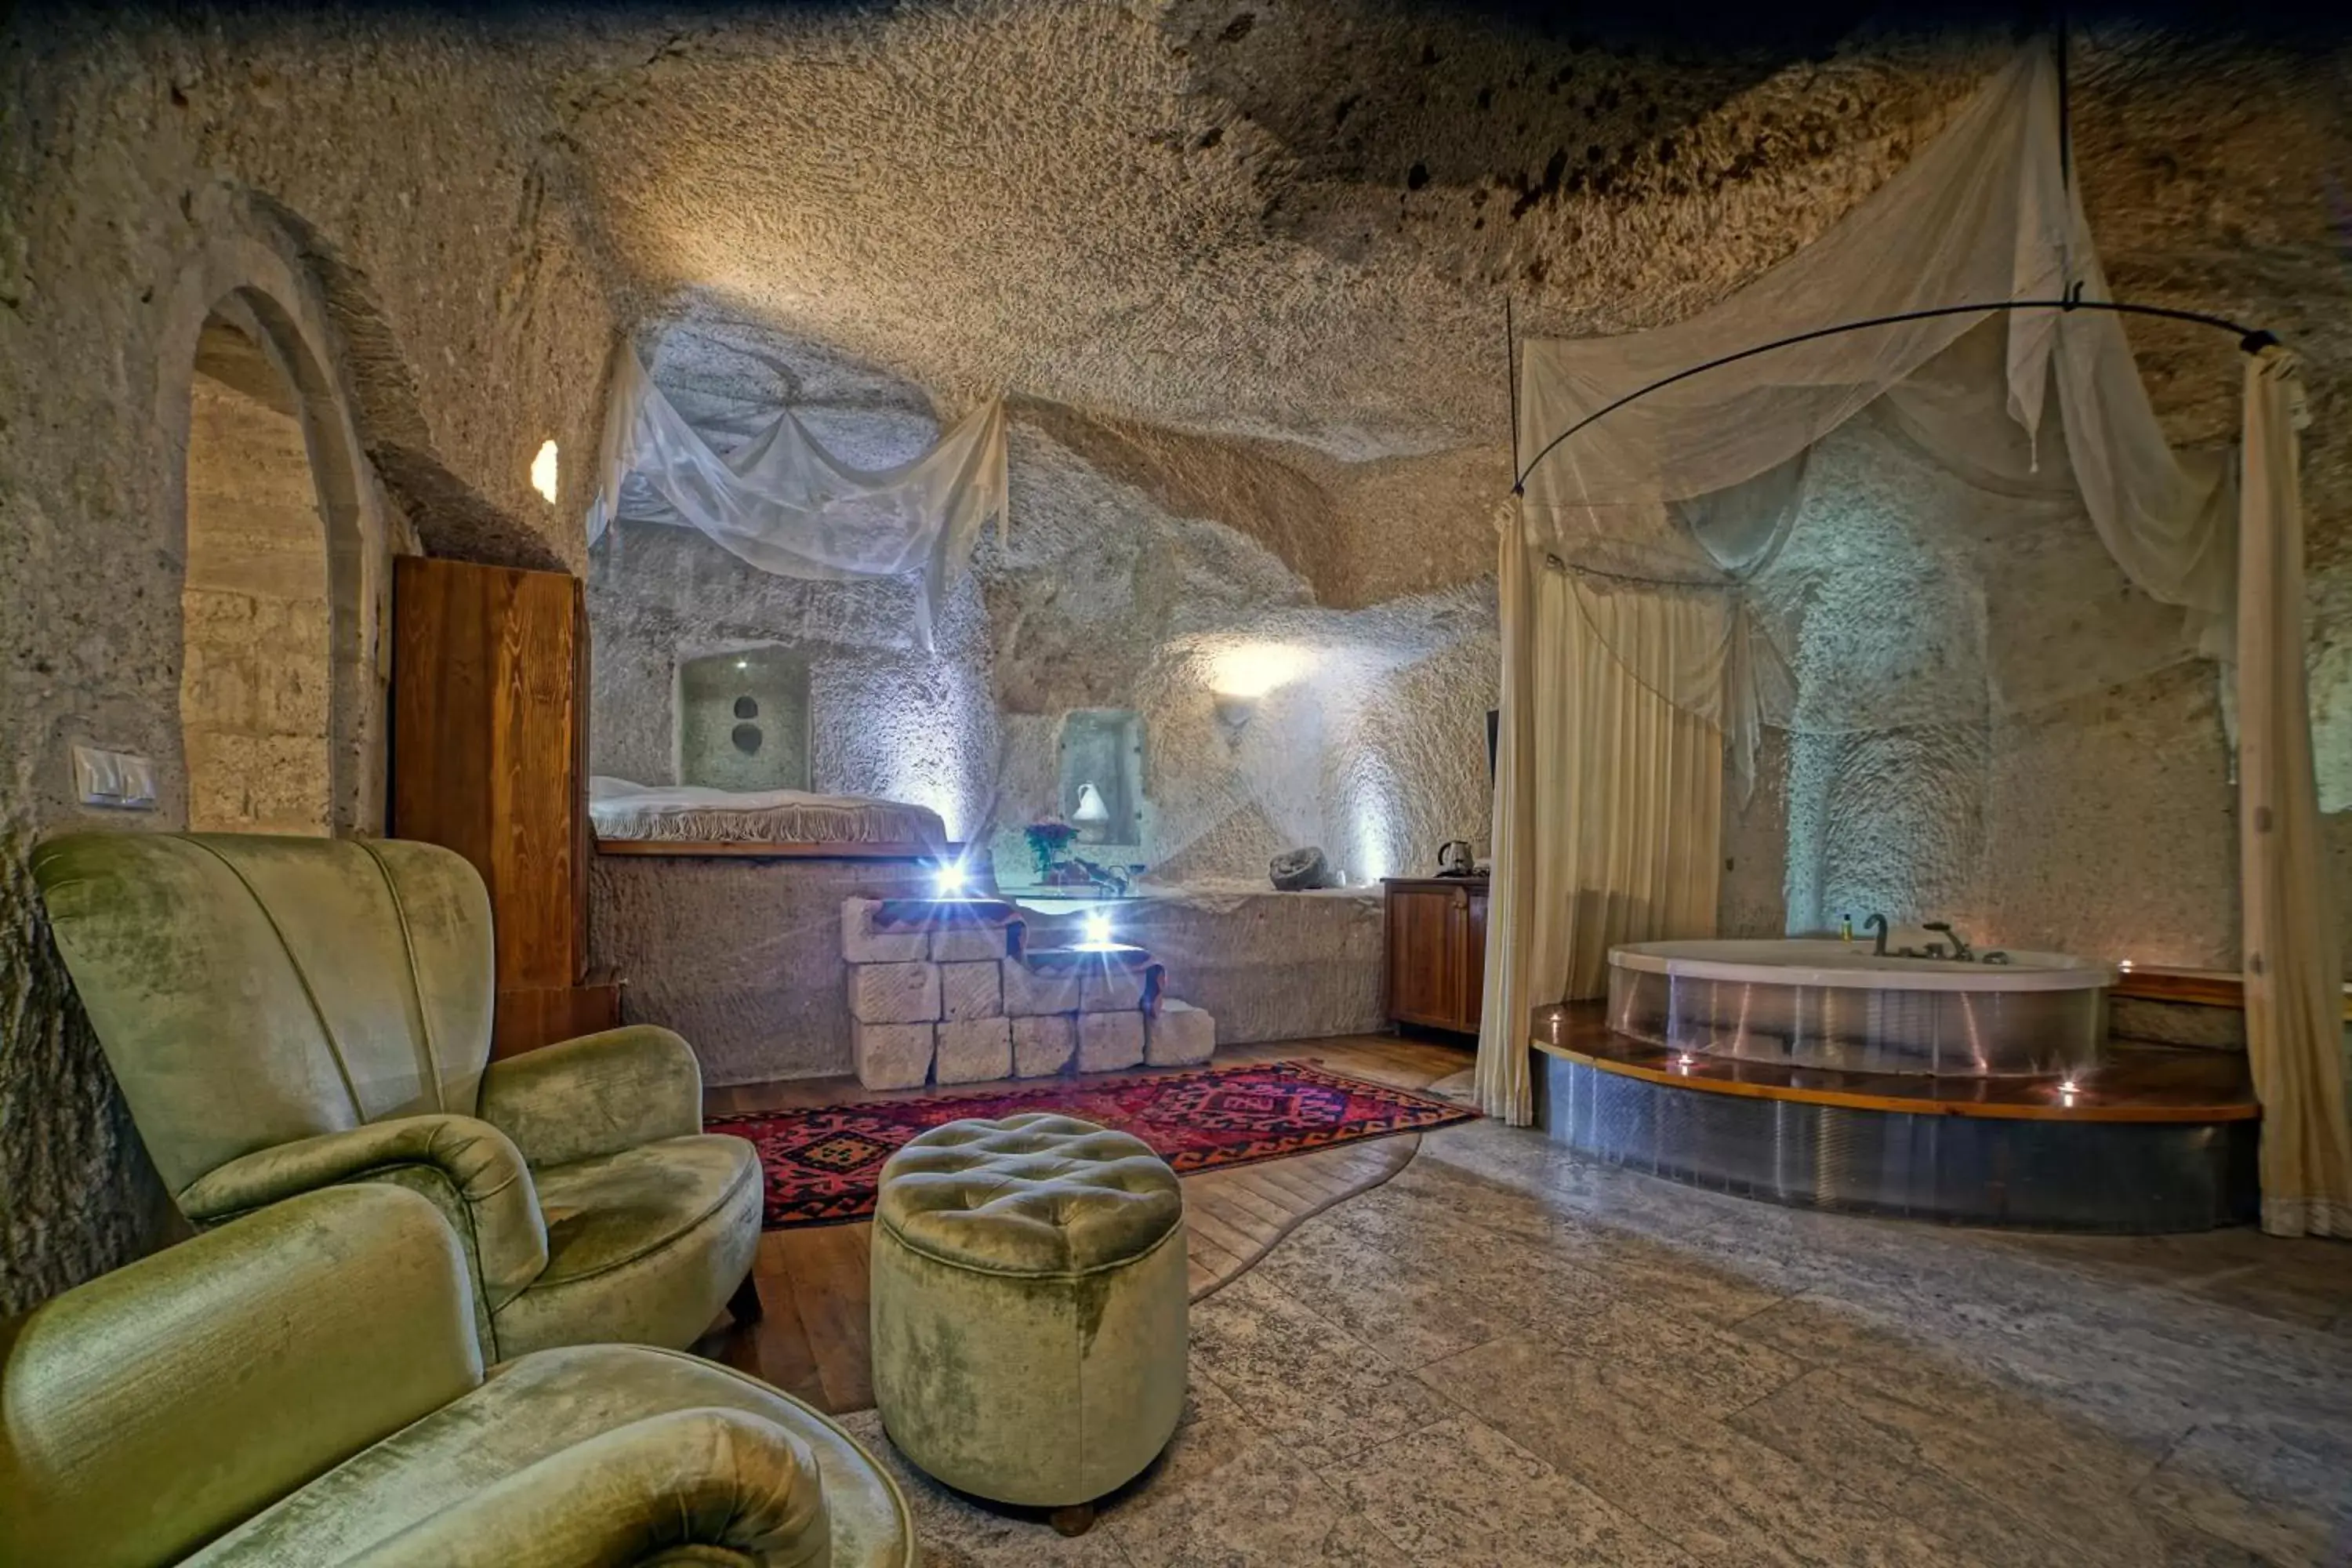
x,y
740,1488
155,1406
470,1170
598,1094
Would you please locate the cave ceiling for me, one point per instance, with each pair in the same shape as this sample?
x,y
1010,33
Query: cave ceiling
x,y
1293,227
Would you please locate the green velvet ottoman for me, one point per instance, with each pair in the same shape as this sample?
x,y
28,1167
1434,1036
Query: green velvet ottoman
x,y
1029,1309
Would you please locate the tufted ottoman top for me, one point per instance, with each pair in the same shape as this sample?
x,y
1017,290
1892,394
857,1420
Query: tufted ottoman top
x,y
1035,1194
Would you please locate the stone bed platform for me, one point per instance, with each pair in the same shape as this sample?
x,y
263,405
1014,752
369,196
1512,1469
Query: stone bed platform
x,y
948,990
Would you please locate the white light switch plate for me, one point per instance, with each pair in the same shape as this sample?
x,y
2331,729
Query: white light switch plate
x,y
123,780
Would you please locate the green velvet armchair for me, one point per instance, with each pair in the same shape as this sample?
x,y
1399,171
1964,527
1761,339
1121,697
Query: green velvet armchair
x,y
288,1014
304,1386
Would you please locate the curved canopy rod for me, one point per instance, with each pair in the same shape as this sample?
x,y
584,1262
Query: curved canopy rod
x,y
2250,340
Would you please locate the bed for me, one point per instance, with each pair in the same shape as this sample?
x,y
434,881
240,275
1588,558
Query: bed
x,y
686,819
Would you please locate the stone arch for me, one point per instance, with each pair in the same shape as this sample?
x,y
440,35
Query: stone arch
x,y
451,517
246,309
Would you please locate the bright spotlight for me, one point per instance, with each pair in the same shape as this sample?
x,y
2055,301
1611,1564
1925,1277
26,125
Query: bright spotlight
x,y
1098,930
950,881
542,472
1250,670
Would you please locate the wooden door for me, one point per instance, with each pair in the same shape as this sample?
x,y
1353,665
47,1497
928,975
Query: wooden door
x,y
488,748
1424,957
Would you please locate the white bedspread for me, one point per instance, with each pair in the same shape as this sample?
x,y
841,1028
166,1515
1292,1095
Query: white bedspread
x,y
620,809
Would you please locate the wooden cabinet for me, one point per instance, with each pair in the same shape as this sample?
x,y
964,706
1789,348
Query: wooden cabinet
x,y
490,757
1437,951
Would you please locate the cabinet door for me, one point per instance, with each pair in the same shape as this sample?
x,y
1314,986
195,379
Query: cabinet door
x,y
1474,962
1424,957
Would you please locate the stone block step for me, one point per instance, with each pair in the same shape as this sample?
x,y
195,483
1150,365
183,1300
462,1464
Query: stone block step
x,y
1111,976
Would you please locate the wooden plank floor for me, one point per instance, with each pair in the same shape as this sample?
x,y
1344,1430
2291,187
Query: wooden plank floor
x,y
812,1341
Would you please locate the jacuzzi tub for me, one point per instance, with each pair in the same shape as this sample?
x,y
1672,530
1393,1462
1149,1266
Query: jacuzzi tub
x,y
1825,1003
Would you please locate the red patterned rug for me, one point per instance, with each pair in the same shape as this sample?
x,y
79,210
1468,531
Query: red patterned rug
x,y
821,1163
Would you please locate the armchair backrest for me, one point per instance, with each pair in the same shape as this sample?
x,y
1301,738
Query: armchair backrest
x,y
250,989
156,1407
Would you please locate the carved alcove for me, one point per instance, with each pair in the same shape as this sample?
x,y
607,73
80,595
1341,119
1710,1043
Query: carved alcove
x,y
743,720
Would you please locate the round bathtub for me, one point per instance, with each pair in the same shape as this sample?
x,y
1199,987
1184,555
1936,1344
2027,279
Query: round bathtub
x,y
1832,1005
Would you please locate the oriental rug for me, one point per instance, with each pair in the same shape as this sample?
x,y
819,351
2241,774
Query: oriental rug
x,y
821,1163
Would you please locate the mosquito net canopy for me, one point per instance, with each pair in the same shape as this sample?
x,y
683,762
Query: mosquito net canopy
x,y
1748,484
782,503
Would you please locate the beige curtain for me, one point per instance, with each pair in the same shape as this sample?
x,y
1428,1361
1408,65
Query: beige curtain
x,y
2295,1033
1608,795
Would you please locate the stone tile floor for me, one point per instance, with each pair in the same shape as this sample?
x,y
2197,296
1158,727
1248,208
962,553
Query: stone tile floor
x,y
1510,1356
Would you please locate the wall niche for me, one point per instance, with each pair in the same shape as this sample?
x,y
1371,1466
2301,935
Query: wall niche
x,y
743,720
1101,790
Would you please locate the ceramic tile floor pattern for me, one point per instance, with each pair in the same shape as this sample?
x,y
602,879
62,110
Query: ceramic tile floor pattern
x,y
1510,1356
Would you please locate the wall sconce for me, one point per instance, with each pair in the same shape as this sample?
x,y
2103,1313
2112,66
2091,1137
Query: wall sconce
x,y
543,472
1235,713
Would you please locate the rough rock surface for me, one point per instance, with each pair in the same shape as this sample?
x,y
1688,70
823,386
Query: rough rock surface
x,y
148,165
1989,710
78,1195
742,957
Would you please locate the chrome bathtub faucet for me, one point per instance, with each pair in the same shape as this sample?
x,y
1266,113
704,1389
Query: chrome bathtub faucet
x,y
1961,951
1876,927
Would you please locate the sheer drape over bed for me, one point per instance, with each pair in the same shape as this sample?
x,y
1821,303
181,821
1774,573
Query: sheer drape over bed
x,y
783,504
1685,498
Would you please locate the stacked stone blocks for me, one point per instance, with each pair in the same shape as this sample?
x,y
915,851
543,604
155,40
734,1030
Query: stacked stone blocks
x,y
950,997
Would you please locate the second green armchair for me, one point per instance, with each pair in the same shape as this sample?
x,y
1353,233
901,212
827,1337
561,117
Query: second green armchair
x,y
291,1013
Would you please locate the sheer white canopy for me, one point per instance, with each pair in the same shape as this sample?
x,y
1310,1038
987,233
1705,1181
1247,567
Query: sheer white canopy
x,y
782,503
